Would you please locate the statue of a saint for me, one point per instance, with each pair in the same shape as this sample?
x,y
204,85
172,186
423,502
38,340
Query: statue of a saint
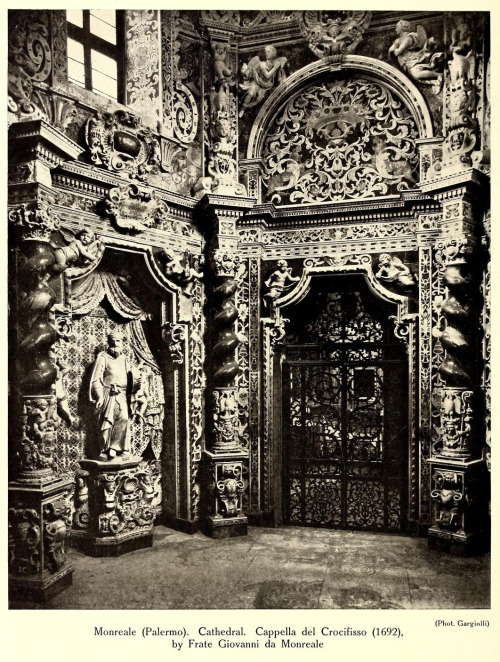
x,y
111,388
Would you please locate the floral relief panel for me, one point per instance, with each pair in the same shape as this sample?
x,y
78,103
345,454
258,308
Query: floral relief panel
x,y
340,139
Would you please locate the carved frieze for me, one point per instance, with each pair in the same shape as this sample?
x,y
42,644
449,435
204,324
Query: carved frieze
x,y
121,144
334,33
134,208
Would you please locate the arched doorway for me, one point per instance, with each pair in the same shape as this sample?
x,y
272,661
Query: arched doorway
x,y
344,410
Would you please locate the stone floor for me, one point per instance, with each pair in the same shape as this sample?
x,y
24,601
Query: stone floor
x,y
284,568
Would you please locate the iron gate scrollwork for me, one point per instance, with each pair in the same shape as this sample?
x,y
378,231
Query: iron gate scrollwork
x,y
345,396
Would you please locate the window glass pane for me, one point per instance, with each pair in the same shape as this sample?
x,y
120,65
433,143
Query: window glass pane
x,y
104,85
76,72
100,25
104,64
75,51
75,16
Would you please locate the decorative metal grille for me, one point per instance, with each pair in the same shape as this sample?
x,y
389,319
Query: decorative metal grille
x,y
345,421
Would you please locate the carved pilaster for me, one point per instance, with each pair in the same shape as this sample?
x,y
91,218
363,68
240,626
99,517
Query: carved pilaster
x,y
114,512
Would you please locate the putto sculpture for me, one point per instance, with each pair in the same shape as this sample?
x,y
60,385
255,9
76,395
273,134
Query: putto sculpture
x,y
260,76
418,55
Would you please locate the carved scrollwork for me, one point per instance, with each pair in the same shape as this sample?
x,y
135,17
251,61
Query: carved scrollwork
x,y
35,220
134,208
456,419
334,33
277,333
30,58
39,426
339,140
125,501
119,143
230,488
270,16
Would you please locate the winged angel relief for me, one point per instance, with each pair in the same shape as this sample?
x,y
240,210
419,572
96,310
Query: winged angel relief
x,y
418,55
260,76
338,140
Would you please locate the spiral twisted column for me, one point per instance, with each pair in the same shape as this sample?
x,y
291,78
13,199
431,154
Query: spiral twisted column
x,y
226,460
459,478
39,510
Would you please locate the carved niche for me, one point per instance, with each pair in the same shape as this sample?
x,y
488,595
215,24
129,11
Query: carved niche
x,y
340,139
120,143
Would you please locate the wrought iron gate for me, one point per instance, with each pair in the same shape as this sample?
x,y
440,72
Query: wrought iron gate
x,y
345,421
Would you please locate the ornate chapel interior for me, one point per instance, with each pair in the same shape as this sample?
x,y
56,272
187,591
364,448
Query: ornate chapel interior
x,y
249,278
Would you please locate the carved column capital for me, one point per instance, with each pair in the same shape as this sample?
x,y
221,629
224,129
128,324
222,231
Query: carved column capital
x,y
34,220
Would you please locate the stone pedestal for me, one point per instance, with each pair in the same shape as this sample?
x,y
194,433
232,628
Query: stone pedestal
x,y
39,522
113,513
459,505
225,489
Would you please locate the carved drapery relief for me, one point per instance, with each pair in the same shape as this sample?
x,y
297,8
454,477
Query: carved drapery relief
x,y
30,59
418,55
143,57
121,144
341,139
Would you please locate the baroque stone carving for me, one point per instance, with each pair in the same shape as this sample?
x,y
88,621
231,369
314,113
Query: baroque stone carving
x,y
181,269
338,140
456,417
454,331
270,16
81,252
30,58
143,91
460,101
334,33
280,280
34,220
81,500
448,497
259,78
230,18
418,55
225,420
24,541
111,385
134,208
57,524
175,335
230,488
392,270
119,143
125,502
35,450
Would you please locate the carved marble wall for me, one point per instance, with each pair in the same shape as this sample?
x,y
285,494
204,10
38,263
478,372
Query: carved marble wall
x,y
365,139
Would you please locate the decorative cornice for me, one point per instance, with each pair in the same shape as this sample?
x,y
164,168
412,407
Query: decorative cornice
x,y
38,136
